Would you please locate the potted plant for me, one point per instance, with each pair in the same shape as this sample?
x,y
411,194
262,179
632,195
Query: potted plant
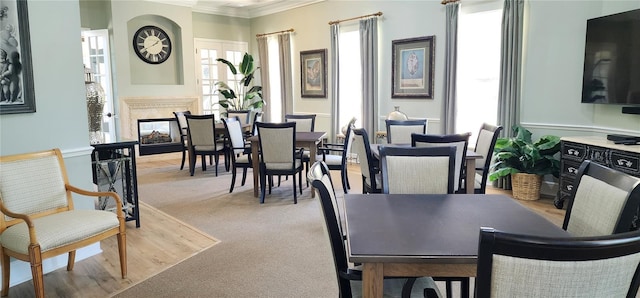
x,y
526,161
242,96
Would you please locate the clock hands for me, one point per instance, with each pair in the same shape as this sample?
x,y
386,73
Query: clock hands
x,y
155,43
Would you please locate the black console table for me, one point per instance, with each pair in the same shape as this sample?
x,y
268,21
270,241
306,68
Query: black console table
x,y
114,169
624,158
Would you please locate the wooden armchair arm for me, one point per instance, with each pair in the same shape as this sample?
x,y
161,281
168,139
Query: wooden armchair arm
x,y
112,194
27,219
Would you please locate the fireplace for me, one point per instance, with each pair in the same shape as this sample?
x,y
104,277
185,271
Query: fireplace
x,y
134,108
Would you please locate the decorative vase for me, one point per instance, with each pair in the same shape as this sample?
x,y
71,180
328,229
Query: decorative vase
x,y
397,114
95,104
526,186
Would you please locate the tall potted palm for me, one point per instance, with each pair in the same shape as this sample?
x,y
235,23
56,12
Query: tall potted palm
x,y
526,161
242,95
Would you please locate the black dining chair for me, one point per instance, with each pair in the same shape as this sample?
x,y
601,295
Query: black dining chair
x,y
338,162
513,265
182,127
399,131
203,141
240,153
485,144
369,165
417,170
603,201
278,155
304,122
459,141
350,278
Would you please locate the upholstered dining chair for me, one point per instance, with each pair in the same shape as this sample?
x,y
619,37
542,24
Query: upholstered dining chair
x,y
369,165
203,141
240,153
306,122
278,155
339,162
38,219
257,117
459,141
399,131
512,265
603,201
182,126
243,115
417,170
486,142
350,278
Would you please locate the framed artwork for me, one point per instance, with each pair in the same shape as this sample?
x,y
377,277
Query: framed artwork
x,y
16,73
412,67
313,73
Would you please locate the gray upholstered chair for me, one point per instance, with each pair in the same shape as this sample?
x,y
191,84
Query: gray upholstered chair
x,y
511,265
240,153
417,170
38,220
203,141
603,201
369,165
485,144
399,131
243,115
278,155
182,126
459,141
338,162
350,278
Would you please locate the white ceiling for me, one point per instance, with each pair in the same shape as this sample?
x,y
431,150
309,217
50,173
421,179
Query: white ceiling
x,y
240,8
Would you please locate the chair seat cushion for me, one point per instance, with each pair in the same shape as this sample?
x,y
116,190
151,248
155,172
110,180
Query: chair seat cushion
x,y
59,229
218,147
282,165
242,159
331,160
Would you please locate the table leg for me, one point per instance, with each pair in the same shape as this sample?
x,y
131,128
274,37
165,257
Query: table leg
x,y
255,163
471,175
372,280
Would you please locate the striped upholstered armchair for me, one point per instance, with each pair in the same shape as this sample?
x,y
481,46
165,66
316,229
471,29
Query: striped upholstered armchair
x,y
38,220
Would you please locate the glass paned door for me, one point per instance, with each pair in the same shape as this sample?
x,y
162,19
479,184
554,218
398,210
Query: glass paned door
x,y
95,55
209,71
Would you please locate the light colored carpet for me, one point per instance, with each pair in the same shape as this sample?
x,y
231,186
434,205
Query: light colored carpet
x,y
276,249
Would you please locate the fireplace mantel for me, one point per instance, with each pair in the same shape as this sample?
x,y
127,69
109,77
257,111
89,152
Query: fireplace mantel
x,y
134,108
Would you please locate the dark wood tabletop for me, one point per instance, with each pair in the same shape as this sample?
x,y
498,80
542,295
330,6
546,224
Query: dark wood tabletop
x,y
429,235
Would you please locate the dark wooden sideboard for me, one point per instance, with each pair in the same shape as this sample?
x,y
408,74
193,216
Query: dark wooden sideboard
x,y
625,158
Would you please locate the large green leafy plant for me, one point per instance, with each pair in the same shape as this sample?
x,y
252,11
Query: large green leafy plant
x,y
520,154
241,96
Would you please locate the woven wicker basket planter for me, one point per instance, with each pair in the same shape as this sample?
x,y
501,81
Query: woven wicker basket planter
x,y
526,186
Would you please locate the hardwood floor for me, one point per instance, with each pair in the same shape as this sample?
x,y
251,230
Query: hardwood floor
x,y
159,243
163,241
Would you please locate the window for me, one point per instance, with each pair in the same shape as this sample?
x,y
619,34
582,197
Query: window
x,y
350,98
478,70
275,93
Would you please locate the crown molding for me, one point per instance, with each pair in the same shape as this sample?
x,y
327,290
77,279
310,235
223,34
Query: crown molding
x,y
252,11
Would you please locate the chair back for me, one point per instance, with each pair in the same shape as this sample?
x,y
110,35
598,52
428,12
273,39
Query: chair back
x,y
603,201
243,115
277,144
304,122
362,148
417,170
236,137
485,144
257,117
511,265
41,177
182,124
399,131
201,131
321,181
348,143
459,141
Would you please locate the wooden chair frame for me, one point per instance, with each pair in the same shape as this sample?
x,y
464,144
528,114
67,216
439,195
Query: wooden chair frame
x,y
35,255
183,134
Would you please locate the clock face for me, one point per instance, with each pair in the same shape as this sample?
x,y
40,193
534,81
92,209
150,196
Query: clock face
x,y
152,44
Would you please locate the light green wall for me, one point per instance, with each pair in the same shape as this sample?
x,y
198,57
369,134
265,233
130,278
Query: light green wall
x,y
221,27
60,119
95,14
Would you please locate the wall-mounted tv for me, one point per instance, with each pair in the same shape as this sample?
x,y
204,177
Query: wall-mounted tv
x,y
612,59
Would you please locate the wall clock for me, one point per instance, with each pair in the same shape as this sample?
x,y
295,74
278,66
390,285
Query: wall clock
x,y
152,44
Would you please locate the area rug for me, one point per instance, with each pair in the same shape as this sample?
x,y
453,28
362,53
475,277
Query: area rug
x,y
275,249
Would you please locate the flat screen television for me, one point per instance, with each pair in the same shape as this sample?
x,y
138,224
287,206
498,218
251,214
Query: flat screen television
x,y
612,59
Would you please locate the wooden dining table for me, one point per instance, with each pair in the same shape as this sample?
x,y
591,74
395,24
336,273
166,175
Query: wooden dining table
x,y
470,164
304,139
429,235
